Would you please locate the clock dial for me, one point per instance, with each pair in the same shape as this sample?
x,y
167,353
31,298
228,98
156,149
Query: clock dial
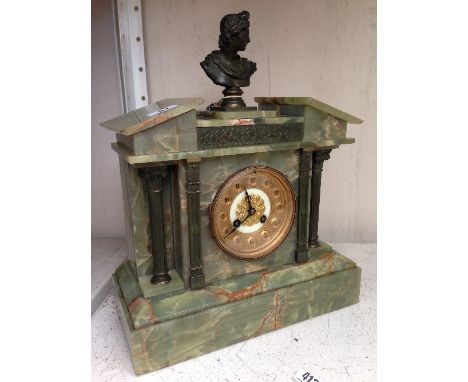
x,y
253,212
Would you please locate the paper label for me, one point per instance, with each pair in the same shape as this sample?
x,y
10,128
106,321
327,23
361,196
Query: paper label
x,y
160,111
307,376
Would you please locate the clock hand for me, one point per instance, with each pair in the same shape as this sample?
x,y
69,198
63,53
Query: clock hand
x,y
247,197
239,224
251,211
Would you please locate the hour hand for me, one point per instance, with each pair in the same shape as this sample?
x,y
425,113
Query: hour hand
x,y
251,209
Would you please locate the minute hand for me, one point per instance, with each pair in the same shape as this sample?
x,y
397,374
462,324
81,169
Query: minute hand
x,y
248,215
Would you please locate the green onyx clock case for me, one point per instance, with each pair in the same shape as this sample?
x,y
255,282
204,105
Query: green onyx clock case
x,y
222,212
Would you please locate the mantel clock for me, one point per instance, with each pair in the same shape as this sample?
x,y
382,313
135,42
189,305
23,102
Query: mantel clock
x,y
221,211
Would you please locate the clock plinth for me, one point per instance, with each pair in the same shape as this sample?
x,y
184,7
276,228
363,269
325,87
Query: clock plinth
x,y
224,206
162,331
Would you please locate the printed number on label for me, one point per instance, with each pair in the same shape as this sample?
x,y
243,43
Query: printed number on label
x,y
307,376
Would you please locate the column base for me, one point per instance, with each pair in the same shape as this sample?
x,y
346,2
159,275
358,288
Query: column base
x,y
314,244
197,282
162,278
149,289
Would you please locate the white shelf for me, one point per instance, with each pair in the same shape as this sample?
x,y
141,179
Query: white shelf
x,y
106,255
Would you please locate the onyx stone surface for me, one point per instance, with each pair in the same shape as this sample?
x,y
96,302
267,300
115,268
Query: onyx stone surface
x,y
165,330
143,137
238,299
340,346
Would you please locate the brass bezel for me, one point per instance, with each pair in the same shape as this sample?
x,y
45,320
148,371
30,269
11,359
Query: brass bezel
x,y
287,213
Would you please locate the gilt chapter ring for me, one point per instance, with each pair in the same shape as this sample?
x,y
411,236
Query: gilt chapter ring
x,y
271,188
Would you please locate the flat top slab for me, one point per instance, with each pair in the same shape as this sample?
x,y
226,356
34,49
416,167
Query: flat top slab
x,y
224,151
309,101
172,129
151,115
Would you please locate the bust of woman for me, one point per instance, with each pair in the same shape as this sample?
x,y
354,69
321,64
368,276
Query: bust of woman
x,y
225,67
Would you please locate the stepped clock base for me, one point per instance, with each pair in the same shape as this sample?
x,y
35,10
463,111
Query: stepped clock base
x,y
165,330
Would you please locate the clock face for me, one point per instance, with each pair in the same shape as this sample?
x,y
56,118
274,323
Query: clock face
x,y
253,212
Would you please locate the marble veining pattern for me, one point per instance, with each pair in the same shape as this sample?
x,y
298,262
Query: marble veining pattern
x,y
340,345
192,335
144,312
213,173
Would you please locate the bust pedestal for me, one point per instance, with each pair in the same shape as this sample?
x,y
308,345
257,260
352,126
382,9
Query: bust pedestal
x,y
180,294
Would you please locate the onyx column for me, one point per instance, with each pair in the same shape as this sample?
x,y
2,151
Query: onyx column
x,y
153,177
303,206
317,167
197,277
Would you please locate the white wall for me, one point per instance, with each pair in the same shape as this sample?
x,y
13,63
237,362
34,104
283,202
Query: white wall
x,y
320,48
106,197
325,49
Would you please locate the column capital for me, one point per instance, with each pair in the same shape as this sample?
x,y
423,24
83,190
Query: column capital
x,y
319,157
153,177
305,161
193,176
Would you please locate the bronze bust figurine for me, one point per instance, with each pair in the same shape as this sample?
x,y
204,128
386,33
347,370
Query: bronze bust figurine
x,y
225,67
